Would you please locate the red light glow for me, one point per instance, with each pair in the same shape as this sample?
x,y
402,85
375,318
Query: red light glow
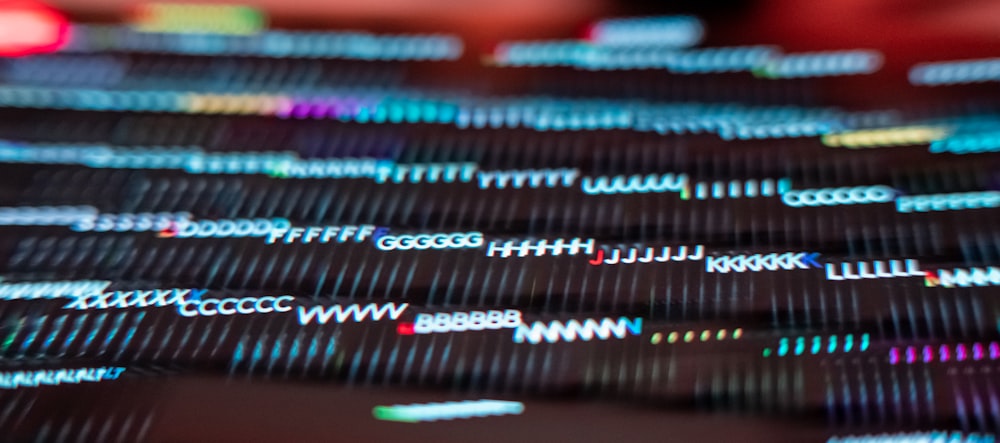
x,y
169,232
30,28
404,329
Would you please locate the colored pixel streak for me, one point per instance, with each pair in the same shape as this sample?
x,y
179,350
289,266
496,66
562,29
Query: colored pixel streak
x,y
198,18
447,411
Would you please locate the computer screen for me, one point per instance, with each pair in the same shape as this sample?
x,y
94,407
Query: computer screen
x,y
483,221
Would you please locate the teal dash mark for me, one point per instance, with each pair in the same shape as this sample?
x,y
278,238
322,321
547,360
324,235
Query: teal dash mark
x,y
390,413
13,334
9,341
783,347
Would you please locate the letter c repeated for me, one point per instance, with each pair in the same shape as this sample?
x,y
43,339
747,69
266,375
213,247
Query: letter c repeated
x,y
233,306
247,310
229,311
203,311
260,308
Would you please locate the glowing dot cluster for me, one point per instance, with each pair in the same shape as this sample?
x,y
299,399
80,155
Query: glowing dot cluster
x,y
671,30
276,44
954,72
944,353
196,18
874,138
692,336
817,344
968,144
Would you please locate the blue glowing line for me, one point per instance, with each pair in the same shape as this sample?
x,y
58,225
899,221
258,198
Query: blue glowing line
x,y
115,329
328,353
94,329
238,355
531,112
275,353
294,352
56,329
36,329
312,351
131,332
258,354
74,332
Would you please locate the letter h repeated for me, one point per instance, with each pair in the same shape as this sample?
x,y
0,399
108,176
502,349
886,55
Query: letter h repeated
x,y
540,248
